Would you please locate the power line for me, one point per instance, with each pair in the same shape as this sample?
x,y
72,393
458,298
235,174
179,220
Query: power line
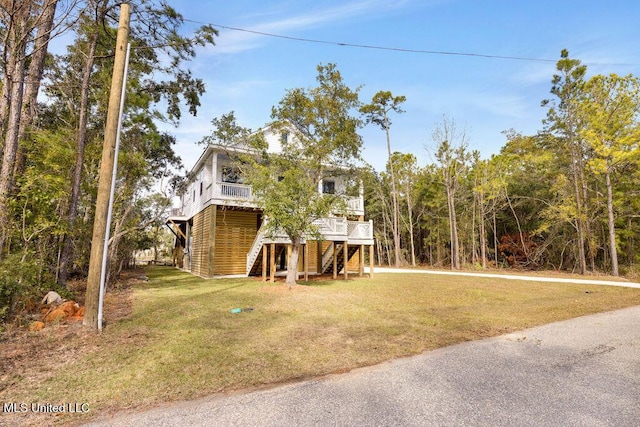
x,y
365,46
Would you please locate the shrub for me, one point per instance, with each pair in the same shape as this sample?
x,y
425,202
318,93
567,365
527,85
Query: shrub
x,y
22,284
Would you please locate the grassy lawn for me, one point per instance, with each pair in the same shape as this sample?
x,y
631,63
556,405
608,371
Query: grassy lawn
x,y
182,342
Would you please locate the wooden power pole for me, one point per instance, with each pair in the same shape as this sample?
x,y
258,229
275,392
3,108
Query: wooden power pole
x,y
92,295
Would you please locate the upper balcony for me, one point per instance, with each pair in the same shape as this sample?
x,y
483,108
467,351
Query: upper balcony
x,y
217,182
241,195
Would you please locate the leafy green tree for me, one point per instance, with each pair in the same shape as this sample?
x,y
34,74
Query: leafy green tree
x,y
158,49
41,194
25,30
481,177
322,142
226,131
406,172
529,196
50,173
377,196
433,224
609,108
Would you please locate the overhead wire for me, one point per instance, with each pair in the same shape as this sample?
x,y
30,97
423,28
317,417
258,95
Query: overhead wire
x,y
375,47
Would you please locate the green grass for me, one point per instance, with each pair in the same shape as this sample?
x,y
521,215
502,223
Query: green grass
x,y
181,341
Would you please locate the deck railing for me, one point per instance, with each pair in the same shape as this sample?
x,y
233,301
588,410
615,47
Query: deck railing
x,y
331,227
360,230
254,252
355,204
230,190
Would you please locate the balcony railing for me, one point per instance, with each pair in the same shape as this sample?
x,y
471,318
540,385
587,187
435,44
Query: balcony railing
x,y
228,190
334,227
242,195
360,230
355,204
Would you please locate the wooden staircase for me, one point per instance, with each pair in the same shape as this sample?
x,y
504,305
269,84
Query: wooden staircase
x,y
256,268
336,230
327,257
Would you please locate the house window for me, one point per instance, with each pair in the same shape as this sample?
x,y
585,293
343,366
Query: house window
x,y
201,188
284,137
232,175
328,187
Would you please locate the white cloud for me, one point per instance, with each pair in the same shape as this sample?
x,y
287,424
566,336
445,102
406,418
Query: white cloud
x,y
232,41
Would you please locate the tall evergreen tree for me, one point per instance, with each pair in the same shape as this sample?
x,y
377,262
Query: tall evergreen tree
x,y
563,122
377,112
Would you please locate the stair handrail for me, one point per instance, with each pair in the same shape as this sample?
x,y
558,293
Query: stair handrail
x,y
253,253
327,256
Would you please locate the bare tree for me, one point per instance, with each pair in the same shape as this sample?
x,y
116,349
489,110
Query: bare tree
x,y
453,158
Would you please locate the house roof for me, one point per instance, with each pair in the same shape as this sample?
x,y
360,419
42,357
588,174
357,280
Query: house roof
x,y
272,137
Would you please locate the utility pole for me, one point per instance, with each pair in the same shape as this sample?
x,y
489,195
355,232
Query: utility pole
x,y
92,295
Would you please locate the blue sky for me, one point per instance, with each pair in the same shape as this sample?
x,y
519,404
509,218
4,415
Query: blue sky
x,y
250,73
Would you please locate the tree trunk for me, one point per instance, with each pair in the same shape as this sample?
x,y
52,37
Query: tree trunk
x,y
67,248
474,250
579,224
4,102
631,244
612,229
34,78
588,233
495,238
481,230
394,198
411,239
575,163
15,91
453,231
439,260
385,221
292,264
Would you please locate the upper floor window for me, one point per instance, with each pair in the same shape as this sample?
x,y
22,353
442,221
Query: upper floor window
x,y
328,187
284,137
231,174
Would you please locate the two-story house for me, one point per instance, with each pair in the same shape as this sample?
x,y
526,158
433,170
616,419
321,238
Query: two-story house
x,y
217,225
